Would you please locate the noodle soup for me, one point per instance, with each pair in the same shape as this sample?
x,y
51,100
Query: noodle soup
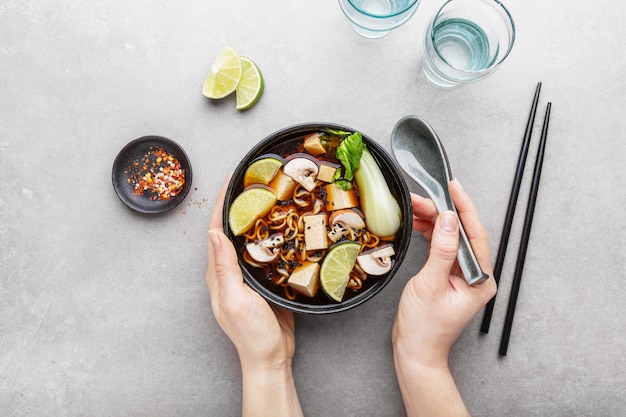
x,y
312,211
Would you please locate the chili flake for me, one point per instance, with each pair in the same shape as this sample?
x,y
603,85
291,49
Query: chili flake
x,y
157,172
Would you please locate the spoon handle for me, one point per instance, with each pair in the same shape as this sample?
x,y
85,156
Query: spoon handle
x,y
467,260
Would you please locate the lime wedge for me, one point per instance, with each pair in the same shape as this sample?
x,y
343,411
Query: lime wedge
x,y
250,205
250,85
224,75
261,171
336,268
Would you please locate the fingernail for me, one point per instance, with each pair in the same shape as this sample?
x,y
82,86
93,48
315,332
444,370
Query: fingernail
x,y
458,183
448,222
215,240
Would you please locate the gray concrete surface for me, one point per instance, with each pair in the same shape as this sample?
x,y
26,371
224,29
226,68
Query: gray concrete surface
x,y
105,313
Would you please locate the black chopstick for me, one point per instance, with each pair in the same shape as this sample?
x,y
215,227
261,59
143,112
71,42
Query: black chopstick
x,y
510,211
521,256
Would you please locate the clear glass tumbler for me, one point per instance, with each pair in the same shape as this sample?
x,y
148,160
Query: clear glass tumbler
x,y
466,41
376,18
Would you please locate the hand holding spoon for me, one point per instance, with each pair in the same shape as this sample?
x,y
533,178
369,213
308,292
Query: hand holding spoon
x,y
421,155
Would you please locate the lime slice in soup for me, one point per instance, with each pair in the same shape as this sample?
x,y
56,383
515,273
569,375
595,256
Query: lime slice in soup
x,y
261,171
336,268
249,206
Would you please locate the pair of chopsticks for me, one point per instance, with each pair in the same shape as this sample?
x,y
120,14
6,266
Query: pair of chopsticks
x,y
506,231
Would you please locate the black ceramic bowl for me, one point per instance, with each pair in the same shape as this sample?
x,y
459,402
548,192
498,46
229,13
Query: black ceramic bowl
x,y
283,143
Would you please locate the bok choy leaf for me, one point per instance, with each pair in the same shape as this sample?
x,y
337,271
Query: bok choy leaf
x,y
382,213
349,153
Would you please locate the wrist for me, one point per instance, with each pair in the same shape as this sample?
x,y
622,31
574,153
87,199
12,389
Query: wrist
x,y
275,364
419,354
269,390
270,371
409,367
263,377
429,391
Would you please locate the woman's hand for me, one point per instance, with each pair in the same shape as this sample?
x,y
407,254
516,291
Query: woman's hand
x,y
437,304
263,334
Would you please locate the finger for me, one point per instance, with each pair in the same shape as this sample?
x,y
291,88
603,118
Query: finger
x,y
423,208
213,241
443,250
472,224
223,273
210,277
424,227
424,215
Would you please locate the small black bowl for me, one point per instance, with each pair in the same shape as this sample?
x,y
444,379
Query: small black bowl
x,y
123,165
286,141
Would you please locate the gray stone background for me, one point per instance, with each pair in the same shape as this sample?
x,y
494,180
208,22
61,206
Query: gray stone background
x,y
105,313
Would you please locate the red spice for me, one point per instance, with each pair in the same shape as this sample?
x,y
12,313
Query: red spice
x,y
160,174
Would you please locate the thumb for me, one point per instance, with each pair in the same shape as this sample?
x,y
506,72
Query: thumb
x,y
224,273
443,248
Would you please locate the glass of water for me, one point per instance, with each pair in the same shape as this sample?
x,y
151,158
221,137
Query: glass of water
x,y
376,18
467,41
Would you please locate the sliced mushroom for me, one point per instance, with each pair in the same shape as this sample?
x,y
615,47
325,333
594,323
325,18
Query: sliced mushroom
x,y
266,250
376,261
302,170
344,222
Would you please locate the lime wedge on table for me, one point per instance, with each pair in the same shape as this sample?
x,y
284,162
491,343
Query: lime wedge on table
x,y
224,75
249,206
250,85
336,267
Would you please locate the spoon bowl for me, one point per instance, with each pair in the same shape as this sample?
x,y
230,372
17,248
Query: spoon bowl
x,y
420,153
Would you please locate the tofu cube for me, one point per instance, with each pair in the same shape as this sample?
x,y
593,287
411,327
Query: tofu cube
x,y
305,278
313,144
283,186
315,232
326,173
338,199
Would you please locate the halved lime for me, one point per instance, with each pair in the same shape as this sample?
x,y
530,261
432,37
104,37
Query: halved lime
x,y
261,171
336,267
250,85
224,75
249,206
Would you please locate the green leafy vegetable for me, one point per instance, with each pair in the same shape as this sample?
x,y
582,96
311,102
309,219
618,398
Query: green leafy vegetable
x,y
337,175
344,184
340,133
349,153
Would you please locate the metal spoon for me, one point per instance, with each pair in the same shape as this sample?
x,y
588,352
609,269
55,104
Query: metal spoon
x,y
421,155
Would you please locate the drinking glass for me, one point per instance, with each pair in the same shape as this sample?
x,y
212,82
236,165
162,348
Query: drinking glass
x,y
466,41
376,18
